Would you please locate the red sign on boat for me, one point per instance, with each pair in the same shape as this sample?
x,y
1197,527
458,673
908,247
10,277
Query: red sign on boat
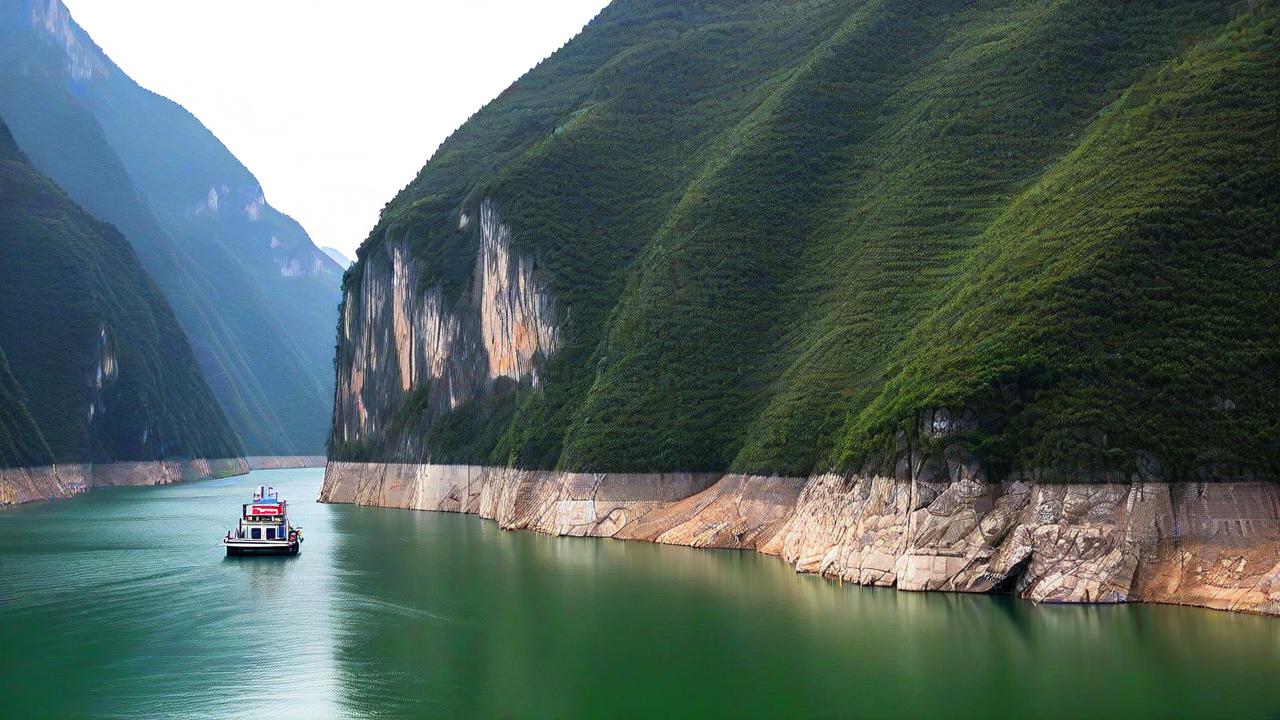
x,y
265,510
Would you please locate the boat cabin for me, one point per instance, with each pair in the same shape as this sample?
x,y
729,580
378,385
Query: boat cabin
x,y
263,527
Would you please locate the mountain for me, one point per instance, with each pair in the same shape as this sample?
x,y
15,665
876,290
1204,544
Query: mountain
x,y
94,368
934,239
336,255
21,443
257,299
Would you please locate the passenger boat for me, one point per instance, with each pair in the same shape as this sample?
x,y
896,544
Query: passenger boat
x,y
264,527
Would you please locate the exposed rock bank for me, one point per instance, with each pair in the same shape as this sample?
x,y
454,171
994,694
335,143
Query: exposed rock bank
x,y
284,462
23,485
1214,545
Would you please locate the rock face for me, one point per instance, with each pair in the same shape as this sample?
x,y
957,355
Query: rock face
x,y
1215,545
399,340
20,485
284,462
31,484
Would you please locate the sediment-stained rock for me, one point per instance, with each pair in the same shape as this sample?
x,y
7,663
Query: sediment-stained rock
x,y
1209,544
284,462
850,528
1213,544
447,488
581,504
737,511
23,485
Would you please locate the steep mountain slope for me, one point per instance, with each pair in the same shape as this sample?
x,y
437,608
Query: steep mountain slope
x,y
255,296
936,239
21,443
94,368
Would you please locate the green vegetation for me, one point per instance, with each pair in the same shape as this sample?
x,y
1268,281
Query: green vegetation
x,y
257,299
784,234
93,365
1126,301
21,443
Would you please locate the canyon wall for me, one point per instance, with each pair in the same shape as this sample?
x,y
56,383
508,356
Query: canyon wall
x,y
821,253
1211,544
30,484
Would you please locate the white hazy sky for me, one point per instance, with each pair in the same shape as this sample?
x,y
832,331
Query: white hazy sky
x,y
333,105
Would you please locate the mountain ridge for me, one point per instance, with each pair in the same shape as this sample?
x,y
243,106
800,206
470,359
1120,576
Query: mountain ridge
x,y
252,291
748,221
94,368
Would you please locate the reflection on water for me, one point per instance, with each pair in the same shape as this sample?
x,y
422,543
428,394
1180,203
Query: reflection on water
x,y
120,603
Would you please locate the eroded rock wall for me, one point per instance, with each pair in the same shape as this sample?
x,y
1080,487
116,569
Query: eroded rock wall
x,y
23,485
1215,545
399,341
284,462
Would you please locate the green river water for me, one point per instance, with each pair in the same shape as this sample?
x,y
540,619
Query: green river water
x,y
120,603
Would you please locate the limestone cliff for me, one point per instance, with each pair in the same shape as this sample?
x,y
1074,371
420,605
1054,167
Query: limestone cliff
x,y
1214,545
20,485
408,354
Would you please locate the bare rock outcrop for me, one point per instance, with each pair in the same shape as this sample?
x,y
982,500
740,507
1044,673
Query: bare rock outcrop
x,y
1209,544
284,462
24,485
447,349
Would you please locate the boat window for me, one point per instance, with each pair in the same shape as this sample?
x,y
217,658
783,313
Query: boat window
x,y
256,533
271,533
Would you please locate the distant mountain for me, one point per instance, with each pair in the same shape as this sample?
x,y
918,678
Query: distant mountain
x,y
256,297
927,239
93,365
343,261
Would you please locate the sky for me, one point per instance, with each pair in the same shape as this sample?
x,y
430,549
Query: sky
x,y
333,105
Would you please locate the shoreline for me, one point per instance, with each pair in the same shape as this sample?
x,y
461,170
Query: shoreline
x,y
25,485
1211,545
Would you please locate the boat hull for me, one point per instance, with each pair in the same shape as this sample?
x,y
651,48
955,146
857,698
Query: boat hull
x,y
261,548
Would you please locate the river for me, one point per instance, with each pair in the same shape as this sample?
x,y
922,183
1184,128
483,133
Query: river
x,y
120,603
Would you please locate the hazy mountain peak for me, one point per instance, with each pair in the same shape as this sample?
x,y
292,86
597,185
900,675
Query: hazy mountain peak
x,y
84,59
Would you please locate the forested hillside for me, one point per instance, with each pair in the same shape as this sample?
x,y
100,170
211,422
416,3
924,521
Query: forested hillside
x,y
792,237
93,366
256,297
